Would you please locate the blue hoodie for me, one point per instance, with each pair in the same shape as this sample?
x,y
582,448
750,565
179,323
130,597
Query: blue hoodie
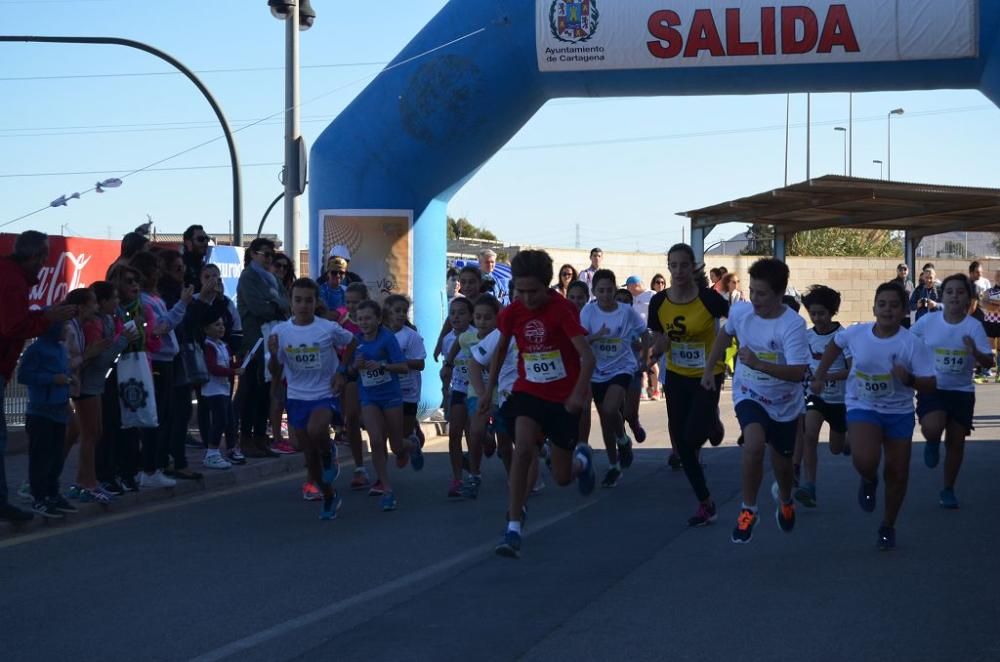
x,y
40,363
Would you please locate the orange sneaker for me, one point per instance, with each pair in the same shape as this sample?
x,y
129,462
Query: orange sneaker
x,y
311,493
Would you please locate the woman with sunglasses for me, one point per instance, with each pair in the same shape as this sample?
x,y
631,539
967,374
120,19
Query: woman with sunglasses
x,y
567,274
261,302
283,270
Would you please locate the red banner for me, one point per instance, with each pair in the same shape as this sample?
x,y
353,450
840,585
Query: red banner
x,y
73,262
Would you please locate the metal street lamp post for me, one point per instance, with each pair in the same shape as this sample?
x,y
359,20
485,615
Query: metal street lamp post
x,y
879,162
844,131
888,142
298,15
230,141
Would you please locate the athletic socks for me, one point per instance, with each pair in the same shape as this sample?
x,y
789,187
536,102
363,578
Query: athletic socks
x,y
515,526
752,509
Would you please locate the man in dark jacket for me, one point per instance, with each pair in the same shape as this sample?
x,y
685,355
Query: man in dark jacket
x,y
195,250
18,273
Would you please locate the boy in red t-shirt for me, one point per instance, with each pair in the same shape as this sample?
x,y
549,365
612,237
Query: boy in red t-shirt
x,y
554,367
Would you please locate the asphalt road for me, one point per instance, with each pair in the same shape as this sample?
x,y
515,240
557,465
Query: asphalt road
x,y
250,573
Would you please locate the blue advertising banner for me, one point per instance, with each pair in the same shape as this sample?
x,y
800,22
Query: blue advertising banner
x,y
229,259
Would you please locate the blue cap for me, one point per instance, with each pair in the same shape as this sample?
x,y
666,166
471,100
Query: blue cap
x,y
633,280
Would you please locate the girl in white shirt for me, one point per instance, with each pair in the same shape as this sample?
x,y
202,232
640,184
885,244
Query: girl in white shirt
x,y
958,345
888,363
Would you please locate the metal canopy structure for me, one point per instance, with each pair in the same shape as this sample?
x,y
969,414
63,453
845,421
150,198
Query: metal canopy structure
x,y
918,210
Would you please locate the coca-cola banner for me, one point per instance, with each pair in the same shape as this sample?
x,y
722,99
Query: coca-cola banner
x,y
582,35
73,262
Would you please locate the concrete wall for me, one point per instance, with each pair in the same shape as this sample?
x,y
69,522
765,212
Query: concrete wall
x,y
854,277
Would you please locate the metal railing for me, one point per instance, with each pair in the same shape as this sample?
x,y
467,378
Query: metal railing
x,y
15,403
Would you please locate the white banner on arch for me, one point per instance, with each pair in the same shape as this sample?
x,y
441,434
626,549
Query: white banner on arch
x,y
582,35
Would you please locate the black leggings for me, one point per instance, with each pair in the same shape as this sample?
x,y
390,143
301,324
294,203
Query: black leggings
x,y
155,441
253,398
692,412
45,455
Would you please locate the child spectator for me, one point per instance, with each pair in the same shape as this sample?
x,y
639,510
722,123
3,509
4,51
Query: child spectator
x,y
216,395
45,371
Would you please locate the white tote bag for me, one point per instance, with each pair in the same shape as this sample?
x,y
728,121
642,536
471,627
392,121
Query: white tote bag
x,y
136,396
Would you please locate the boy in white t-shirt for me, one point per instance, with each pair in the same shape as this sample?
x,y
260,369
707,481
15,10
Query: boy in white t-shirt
x,y
767,387
887,364
303,348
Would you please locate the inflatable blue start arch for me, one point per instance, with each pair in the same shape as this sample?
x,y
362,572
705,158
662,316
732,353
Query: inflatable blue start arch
x,y
386,168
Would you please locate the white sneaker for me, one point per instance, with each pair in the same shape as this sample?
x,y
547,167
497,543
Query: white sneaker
x,y
216,461
539,484
157,479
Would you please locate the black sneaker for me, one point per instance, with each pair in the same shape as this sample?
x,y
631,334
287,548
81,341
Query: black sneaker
x,y
743,532
717,433
62,505
886,538
675,462
113,487
237,457
625,455
866,495
611,478
9,513
47,509
785,516
128,484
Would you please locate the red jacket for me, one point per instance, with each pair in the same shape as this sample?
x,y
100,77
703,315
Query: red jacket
x,y
17,323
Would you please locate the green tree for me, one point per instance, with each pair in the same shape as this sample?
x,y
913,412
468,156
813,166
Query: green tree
x,y
827,242
462,228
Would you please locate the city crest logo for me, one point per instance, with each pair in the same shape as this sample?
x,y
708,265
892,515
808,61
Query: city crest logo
x,y
573,21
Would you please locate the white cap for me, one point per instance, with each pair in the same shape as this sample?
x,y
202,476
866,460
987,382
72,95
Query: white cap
x,y
340,250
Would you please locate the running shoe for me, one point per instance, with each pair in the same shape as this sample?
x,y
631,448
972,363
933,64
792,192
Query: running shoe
x,y
947,499
416,454
705,515
639,432
73,492
236,456
625,455
886,538
62,505
216,461
806,495
784,514
455,490
191,442
674,462
510,546
585,481
310,492
24,493
47,509
539,484
847,450
470,488
283,447
331,505
932,453
359,480
611,478
743,532
717,433
93,496
113,487
866,495
388,502
129,484
376,489
331,468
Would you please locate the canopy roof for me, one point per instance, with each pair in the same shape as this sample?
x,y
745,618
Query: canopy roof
x,y
867,204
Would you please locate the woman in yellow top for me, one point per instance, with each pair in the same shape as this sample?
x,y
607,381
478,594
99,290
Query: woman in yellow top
x,y
684,319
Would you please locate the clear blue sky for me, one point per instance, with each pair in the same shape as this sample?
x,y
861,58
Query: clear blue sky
x,y
669,154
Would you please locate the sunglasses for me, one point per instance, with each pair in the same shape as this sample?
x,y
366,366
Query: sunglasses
x,y
567,273
338,273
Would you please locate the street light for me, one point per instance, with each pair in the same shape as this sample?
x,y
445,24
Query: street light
x,y
298,15
888,142
844,131
879,162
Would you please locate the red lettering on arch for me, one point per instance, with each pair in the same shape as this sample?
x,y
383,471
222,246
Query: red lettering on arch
x,y
734,43
838,31
704,36
768,41
791,17
669,41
